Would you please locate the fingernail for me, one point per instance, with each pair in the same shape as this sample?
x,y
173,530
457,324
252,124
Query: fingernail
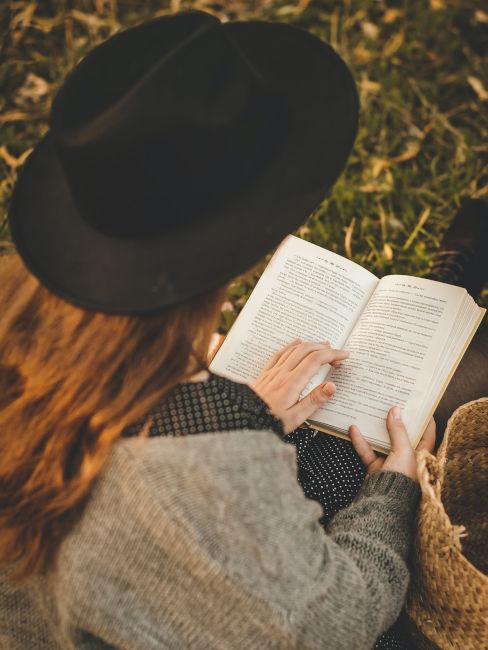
x,y
397,414
328,388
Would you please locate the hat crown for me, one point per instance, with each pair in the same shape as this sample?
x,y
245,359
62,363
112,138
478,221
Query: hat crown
x,y
184,126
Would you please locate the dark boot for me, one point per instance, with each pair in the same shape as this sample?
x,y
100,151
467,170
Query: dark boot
x,y
462,258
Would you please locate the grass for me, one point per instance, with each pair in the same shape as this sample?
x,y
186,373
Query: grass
x,y
422,143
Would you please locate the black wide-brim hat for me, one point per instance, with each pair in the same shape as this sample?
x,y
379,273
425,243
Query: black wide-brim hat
x,y
180,152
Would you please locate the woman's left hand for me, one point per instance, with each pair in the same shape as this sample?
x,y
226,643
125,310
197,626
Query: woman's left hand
x,y
402,457
286,375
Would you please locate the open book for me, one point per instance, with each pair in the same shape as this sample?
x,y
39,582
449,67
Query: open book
x,y
406,336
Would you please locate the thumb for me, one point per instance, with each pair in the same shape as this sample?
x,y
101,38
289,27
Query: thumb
x,y
398,433
303,409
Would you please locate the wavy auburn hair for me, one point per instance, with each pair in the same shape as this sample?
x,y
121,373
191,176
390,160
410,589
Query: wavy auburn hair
x,y
70,381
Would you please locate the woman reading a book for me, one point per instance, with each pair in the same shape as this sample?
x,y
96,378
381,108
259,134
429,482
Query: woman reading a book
x,y
145,502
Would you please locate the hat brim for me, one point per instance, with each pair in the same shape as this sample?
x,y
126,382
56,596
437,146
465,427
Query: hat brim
x,y
115,275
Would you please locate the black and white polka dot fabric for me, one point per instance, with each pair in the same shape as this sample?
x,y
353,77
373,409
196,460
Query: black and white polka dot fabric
x,y
216,404
328,468
336,488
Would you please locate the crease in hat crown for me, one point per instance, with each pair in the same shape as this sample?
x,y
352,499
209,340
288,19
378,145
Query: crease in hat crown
x,y
198,39
204,89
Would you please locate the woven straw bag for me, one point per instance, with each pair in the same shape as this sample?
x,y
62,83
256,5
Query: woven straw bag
x,y
448,595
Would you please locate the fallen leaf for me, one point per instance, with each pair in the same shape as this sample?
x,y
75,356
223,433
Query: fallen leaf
x,y
377,166
388,252
392,45
436,5
394,223
360,54
91,20
433,58
18,116
352,20
415,132
391,15
367,86
12,161
481,16
303,231
389,178
46,25
287,10
21,21
411,150
348,238
32,89
374,187
370,30
460,156
478,88
302,5
24,17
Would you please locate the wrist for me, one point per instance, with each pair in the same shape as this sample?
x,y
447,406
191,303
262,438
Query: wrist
x,y
405,464
391,483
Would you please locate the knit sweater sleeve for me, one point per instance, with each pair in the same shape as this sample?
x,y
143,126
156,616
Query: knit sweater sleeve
x,y
209,542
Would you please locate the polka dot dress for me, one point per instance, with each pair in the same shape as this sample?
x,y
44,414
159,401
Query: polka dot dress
x,y
328,468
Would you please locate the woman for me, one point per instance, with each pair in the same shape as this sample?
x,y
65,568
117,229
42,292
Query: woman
x,y
145,503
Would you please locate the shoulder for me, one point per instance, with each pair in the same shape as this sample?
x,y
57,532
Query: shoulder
x,y
228,504
198,477
157,460
195,481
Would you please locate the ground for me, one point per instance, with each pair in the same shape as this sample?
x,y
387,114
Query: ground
x,y
421,75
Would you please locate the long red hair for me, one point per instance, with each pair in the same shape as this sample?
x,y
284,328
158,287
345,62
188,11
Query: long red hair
x,y
70,381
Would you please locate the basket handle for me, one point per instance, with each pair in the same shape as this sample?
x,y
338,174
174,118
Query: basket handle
x,y
429,471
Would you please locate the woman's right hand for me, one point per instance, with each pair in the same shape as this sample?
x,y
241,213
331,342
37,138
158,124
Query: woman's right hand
x,y
402,456
288,372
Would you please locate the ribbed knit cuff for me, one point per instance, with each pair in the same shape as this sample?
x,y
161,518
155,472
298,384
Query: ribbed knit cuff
x,y
394,484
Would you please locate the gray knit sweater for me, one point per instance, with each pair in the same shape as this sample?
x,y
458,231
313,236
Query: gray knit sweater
x,y
208,542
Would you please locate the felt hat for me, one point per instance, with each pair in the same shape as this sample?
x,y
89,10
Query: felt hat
x,y
179,152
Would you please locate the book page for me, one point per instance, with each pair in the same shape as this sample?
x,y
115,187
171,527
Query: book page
x,y
395,348
305,291
467,322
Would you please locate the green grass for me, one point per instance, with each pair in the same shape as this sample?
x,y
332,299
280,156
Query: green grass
x,y
422,143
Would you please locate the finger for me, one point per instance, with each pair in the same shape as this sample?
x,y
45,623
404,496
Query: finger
x,y
286,355
301,352
303,409
277,369
362,447
397,431
336,364
277,355
427,441
302,373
